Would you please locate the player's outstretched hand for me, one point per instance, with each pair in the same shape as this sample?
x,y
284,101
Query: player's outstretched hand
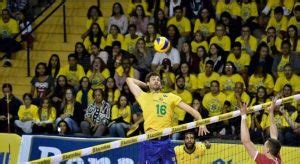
x,y
202,130
243,108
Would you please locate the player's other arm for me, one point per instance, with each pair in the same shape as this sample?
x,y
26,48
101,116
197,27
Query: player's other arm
x,y
245,136
273,127
202,129
135,86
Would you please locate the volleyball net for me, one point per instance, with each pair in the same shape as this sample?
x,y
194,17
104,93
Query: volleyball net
x,y
226,151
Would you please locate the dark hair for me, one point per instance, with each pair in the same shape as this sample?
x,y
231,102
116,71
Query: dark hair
x,y
57,83
176,37
210,62
7,85
278,10
236,44
102,64
94,8
179,77
121,9
149,75
119,100
106,90
27,95
200,11
271,28
68,131
116,43
134,13
274,146
37,66
215,81
295,40
81,80
297,8
178,8
287,42
189,132
84,49
131,26
118,29
256,96
226,15
98,36
72,55
147,35
288,86
233,67
50,66
98,90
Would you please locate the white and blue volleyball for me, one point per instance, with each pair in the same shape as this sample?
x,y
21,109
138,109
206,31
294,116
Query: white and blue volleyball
x,y
162,44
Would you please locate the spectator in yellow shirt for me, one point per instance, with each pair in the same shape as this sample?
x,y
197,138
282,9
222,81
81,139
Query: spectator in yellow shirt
x,y
272,40
139,18
249,42
213,102
260,97
198,41
94,15
121,118
8,29
229,79
221,38
288,78
205,24
73,71
272,4
47,115
228,6
295,20
98,73
28,114
248,10
240,60
278,21
130,39
202,54
111,90
94,36
190,79
283,58
205,78
260,78
292,36
114,35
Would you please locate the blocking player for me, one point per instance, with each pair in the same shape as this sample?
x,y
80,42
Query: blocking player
x,y
158,109
191,152
271,148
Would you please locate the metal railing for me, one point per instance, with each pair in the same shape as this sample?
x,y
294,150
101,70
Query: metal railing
x,y
28,48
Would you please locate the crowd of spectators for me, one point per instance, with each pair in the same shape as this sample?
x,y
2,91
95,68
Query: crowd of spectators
x,y
223,53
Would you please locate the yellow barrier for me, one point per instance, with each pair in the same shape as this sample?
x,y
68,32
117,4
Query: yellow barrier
x,y
152,135
10,143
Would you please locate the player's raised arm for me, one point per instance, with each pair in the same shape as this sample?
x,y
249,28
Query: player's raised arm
x,y
202,129
135,86
245,136
273,127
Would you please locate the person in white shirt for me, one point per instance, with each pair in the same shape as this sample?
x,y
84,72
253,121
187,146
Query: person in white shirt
x,y
172,54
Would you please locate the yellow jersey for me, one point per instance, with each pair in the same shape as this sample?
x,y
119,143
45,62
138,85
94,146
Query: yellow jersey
x,y
282,63
166,78
110,39
9,28
293,81
48,117
206,28
97,80
183,157
224,42
179,114
29,113
129,43
195,45
248,10
214,104
240,63
277,42
255,82
158,109
227,83
204,81
191,83
293,21
232,8
184,25
88,44
72,75
234,103
252,43
279,26
89,96
117,112
113,97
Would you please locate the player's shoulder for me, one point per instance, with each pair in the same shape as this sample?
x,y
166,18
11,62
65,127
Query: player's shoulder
x,y
179,148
